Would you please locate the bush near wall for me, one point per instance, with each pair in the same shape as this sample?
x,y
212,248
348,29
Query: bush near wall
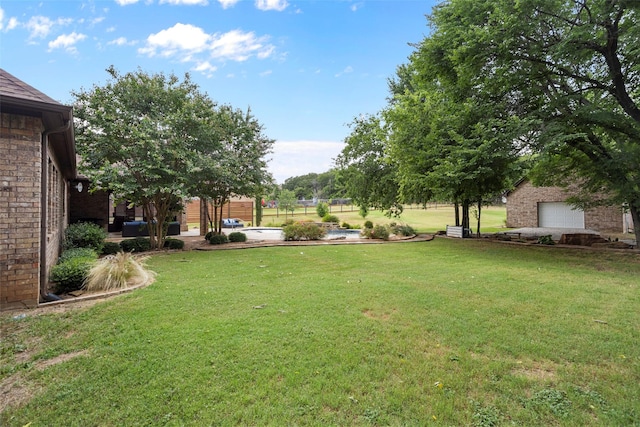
x,y
84,235
72,269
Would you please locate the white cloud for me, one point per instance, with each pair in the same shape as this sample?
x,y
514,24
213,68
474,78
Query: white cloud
x,y
238,46
278,5
356,6
41,26
205,68
227,3
295,158
126,2
186,2
180,38
266,73
67,42
188,43
121,41
347,70
9,25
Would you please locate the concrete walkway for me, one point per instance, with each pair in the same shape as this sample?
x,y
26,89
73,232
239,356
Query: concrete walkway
x,y
555,233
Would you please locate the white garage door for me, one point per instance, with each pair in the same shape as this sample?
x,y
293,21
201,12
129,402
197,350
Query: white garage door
x,y
560,215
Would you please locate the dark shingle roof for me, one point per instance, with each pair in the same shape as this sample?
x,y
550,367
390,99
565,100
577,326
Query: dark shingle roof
x,y
17,97
11,86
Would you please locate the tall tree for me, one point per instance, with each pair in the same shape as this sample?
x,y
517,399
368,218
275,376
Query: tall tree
x,y
570,69
446,145
231,162
137,136
367,174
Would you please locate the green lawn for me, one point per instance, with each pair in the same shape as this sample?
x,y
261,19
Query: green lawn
x,y
448,332
434,218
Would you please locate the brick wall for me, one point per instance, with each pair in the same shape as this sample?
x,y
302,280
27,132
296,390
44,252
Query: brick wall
x,y
57,210
522,208
19,210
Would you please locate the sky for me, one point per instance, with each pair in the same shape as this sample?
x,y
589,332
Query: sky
x,y
306,68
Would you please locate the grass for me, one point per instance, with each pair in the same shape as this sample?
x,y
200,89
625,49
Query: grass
x,y
448,332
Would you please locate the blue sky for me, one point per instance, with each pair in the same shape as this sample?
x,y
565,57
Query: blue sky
x,y
306,68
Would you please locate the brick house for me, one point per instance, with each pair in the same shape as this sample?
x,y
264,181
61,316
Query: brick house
x,y
37,166
531,206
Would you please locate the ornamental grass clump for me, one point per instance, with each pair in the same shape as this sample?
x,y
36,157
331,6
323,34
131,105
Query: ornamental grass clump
x,y
119,271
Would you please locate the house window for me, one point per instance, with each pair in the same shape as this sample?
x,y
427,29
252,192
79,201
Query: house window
x,y
54,199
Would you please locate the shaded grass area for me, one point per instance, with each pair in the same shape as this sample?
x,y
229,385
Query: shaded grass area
x,y
447,332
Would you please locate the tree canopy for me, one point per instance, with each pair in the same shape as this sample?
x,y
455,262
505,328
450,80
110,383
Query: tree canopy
x,y
314,185
495,80
152,139
367,173
567,69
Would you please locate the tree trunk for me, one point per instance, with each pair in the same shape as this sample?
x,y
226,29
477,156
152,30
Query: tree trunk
x,y
148,216
465,217
208,215
456,208
479,215
635,216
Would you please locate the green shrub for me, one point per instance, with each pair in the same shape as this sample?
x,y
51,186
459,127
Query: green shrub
x,y
303,231
287,222
331,218
322,209
218,239
237,236
84,235
377,232
139,244
346,225
546,240
72,269
403,230
368,224
111,248
77,253
173,243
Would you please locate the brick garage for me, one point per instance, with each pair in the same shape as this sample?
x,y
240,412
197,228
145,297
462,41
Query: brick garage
x,y
37,163
523,207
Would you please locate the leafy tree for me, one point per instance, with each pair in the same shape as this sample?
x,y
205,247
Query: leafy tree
x,y
367,174
231,162
567,69
137,136
287,200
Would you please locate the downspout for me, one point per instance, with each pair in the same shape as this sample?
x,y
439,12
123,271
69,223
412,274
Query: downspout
x,y
44,170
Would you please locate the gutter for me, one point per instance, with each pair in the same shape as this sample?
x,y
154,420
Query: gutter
x,y
44,170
